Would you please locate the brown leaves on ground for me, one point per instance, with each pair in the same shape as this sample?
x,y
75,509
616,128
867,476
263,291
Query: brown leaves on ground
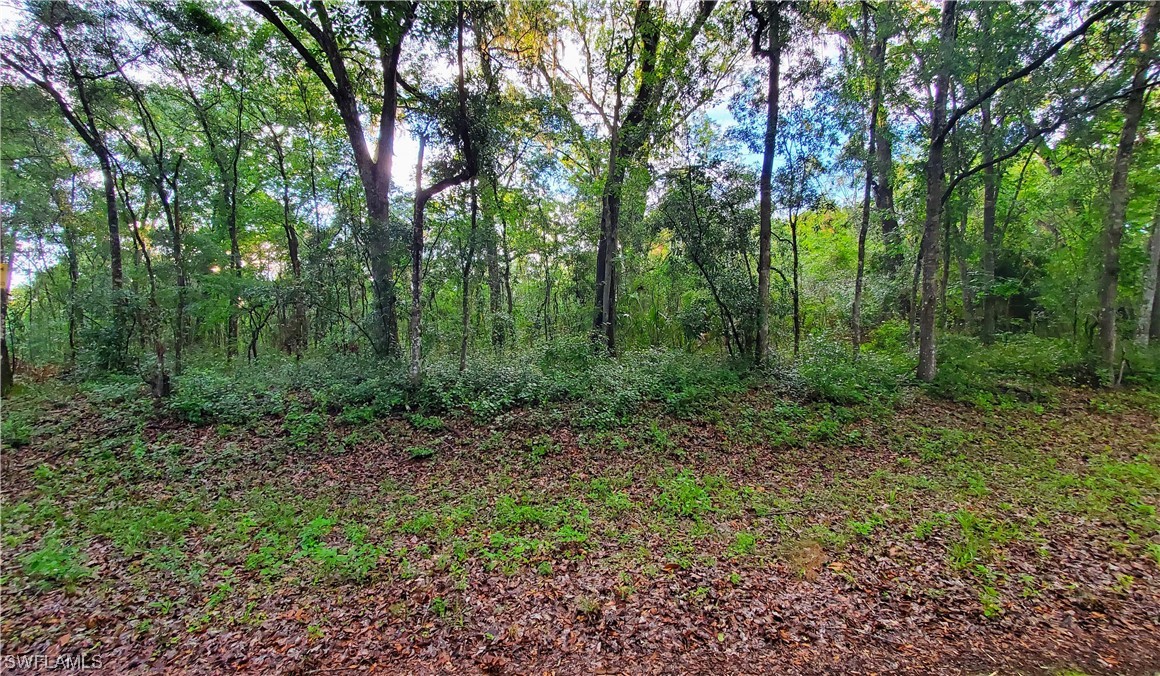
x,y
852,566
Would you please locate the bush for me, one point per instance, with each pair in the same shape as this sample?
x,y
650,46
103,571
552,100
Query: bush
x,y
356,387
828,372
683,495
15,431
1143,364
203,395
1023,363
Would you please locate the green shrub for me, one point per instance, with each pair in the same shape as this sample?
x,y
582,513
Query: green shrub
x,y
358,388
302,426
426,423
1019,365
829,373
15,431
743,544
201,396
354,415
54,564
683,495
1143,364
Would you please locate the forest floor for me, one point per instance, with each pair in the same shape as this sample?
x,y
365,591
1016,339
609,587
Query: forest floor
x,y
758,535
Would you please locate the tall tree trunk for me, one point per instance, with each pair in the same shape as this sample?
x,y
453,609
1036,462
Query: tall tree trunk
x,y
467,277
494,283
1144,327
151,320
7,370
236,269
490,180
417,218
180,329
797,297
1118,192
990,201
877,54
899,301
69,239
113,219
964,274
607,250
1154,325
765,207
547,297
297,322
945,278
884,200
374,173
934,188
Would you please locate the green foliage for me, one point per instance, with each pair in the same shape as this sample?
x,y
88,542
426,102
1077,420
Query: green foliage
x,y
356,415
743,544
828,372
204,395
15,431
425,423
683,495
54,564
420,452
302,427
1014,366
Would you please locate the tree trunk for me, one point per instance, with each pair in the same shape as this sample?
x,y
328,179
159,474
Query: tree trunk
x,y
236,268
69,239
628,144
112,218
180,328
899,301
413,331
374,174
877,54
797,312
884,199
382,273
990,201
944,280
151,320
467,277
934,188
547,297
1118,192
1144,327
297,322
494,283
1154,325
7,371
964,274
765,208
607,253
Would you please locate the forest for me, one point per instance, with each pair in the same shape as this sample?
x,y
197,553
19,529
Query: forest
x,y
580,336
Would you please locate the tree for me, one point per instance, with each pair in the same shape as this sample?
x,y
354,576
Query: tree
x,y
875,59
1118,191
388,25
656,54
1151,273
61,52
942,123
769,26
458,123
